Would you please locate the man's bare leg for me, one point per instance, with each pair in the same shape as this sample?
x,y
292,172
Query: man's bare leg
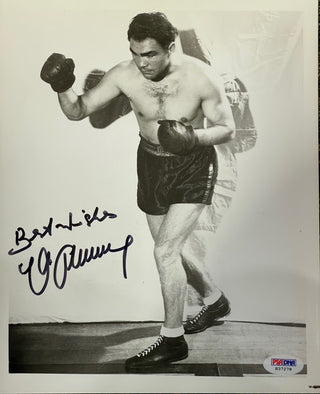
x,y
193,259
215,303
193,256
173,232
194,262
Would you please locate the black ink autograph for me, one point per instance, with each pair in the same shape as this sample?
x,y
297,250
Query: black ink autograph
x,y
20,234
69,257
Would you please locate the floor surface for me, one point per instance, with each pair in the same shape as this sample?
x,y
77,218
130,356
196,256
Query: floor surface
x,y
230,349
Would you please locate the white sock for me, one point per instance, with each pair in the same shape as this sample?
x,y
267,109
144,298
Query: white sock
x,y
171,332
212,298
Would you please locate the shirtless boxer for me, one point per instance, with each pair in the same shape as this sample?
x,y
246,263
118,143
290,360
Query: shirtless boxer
x,y
170,94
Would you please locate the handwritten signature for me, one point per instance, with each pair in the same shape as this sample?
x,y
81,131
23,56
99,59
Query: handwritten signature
x,y
68,258
45,265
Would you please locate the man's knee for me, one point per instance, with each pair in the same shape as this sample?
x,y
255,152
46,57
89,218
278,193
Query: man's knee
x,y
167,254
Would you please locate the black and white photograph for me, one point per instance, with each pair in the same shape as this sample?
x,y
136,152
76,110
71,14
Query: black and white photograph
x,y
159,195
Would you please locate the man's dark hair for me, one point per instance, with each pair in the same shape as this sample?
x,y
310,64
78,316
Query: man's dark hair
x,y
152,25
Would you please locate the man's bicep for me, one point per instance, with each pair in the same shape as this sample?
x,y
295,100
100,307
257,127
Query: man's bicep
x,y
215,104
217,111
100,95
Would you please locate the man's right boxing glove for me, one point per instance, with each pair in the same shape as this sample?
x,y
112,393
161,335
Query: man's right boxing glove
x,y
176,137
58,72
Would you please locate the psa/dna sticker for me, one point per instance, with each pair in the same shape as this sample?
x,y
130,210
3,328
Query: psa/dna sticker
x,y
283,365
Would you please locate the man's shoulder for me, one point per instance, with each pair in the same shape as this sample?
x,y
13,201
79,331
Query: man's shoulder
x,y
122,68
118,76
201,72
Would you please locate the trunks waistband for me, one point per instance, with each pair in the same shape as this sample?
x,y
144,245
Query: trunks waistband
x,y
154,149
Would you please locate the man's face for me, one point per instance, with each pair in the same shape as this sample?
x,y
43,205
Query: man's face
x,y
151,59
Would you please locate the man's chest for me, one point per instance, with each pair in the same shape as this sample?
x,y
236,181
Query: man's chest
x,y
157,100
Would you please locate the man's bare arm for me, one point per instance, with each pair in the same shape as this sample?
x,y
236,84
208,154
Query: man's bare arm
x,y
58,72
77,107
216,109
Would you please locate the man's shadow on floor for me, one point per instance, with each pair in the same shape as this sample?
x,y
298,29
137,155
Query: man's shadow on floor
x,y
67,351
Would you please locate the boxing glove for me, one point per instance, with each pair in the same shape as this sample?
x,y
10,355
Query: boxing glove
x,y
58,72
175,137
93,79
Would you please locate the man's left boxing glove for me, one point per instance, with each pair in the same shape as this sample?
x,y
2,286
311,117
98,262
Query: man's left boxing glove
x,y
175,137
58,72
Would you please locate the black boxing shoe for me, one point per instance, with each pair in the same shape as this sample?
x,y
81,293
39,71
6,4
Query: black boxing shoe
x,y
165,350
208,316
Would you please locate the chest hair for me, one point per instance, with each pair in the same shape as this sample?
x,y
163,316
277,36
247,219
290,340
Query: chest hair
x,y
161,90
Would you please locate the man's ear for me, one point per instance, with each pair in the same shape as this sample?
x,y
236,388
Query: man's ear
x,y
172,47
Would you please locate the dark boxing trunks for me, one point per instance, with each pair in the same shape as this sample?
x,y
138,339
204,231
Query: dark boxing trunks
x,y
165,178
